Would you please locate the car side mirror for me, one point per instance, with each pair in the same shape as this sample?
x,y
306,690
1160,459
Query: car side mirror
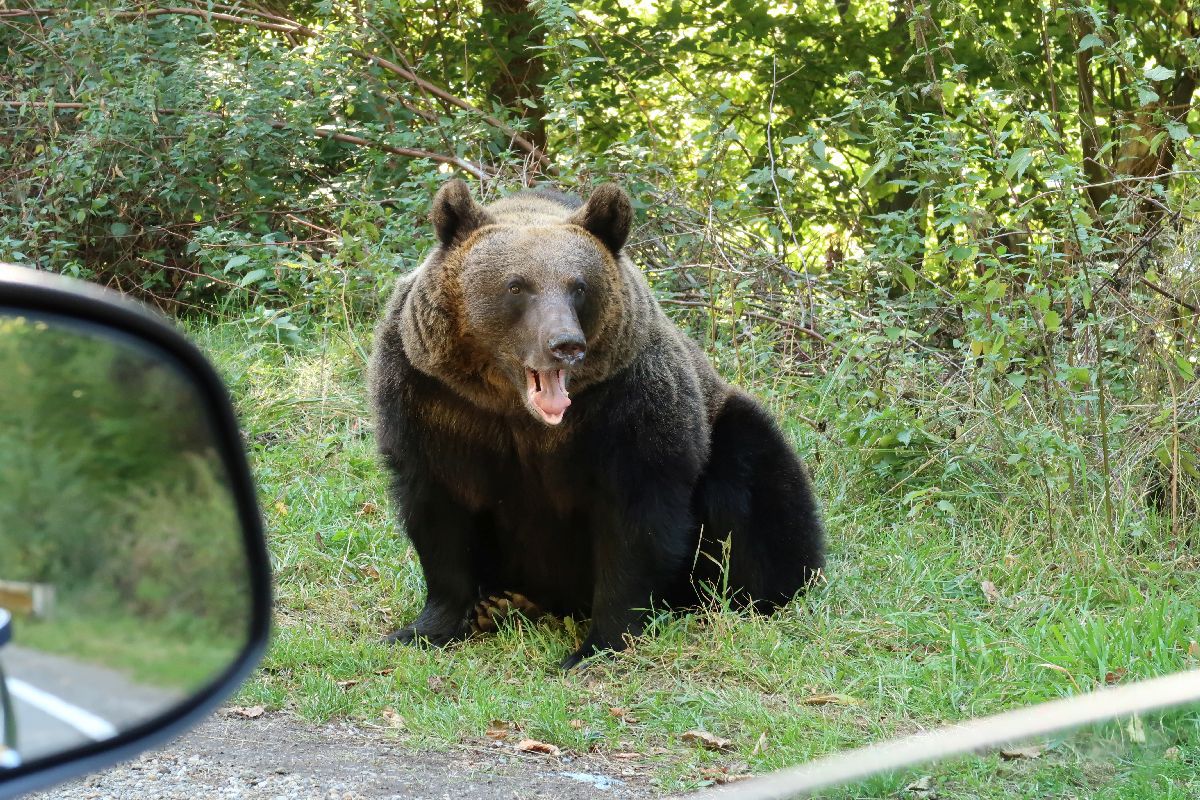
x,y
134,579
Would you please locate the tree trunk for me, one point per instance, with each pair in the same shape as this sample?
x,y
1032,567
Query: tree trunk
x,y
520,71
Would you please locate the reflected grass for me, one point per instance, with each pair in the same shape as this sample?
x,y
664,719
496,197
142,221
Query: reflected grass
x,y
153,653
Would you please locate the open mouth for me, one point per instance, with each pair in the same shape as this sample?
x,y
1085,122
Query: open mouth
x,y
546,391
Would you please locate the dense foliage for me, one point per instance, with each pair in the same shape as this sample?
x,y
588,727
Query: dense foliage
x,y
971,224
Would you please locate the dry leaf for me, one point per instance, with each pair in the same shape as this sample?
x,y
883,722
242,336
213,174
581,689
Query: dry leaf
x,y
991,592
369,571
923,788
761,745
245,712
829,699
1171,753
1013,753
1115,676
627,756
436,683
708,741
738,772
534,746
623,715
498,729
368,509
348,684
393,719
387,671
1194,649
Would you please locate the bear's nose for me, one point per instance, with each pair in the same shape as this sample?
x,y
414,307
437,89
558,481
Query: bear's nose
x,y
567,347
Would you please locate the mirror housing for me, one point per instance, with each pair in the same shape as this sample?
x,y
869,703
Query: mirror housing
x,y
38,295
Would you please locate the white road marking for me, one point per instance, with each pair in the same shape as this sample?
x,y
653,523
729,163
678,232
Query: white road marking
x,y
94,727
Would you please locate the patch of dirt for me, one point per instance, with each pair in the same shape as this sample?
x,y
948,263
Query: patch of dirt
x,y
275,756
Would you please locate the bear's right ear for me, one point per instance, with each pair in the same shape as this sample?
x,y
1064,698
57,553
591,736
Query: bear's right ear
x,y
456,214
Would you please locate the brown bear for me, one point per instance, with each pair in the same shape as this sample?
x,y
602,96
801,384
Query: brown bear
x,y
551,433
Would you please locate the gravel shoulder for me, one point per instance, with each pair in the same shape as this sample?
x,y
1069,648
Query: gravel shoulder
x,y
276,756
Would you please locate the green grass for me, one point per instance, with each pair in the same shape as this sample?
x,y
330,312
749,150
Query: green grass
x,y
903,631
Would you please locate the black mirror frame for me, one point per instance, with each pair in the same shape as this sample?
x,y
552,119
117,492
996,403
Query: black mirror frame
x,y
24,290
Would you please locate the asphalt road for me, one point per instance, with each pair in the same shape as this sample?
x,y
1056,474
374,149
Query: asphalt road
x,y
276,757
61,703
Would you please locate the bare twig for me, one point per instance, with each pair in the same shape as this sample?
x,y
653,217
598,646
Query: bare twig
x,y
675,301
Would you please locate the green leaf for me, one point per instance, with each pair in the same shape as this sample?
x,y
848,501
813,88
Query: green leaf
x,y
1018,162
1089,41
1146,96
1185,368
253,276
1188,462
883,161
236,261
1052,320
1178,131
580,43
1079,376
1159,73
910,277
118,229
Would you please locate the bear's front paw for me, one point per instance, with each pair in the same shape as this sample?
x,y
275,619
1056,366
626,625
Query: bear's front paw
x,y
575,661
411,635
578,660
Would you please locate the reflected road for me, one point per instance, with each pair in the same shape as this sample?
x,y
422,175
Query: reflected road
x,y
61,703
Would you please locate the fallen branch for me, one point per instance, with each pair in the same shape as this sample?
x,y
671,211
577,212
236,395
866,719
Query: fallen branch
x,y
322,131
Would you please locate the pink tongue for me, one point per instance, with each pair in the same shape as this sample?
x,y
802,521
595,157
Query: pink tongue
x,y
552,400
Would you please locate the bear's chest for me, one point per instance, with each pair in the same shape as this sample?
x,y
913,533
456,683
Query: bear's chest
x,y
488,466
534,506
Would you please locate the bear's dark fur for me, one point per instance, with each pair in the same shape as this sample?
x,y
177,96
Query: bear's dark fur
x,y
656,474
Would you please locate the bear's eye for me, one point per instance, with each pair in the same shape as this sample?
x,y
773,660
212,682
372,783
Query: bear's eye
x,y
579,289
514,287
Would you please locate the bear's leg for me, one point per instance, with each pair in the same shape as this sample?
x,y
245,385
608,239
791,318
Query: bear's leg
x,y
756,493
641,548
443,533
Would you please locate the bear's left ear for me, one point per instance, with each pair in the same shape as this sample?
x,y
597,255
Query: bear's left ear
x,y
455,213
607,216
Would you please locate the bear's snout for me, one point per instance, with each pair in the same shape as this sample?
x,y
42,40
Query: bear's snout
x,y
568,347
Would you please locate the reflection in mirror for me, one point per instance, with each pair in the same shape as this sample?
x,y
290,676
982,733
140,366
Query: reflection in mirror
x,y
121,556
1154,756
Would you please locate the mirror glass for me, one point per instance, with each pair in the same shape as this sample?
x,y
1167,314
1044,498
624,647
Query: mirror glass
x,y
122,564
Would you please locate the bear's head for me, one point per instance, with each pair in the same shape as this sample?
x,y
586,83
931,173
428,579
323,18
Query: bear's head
x,y
536,289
